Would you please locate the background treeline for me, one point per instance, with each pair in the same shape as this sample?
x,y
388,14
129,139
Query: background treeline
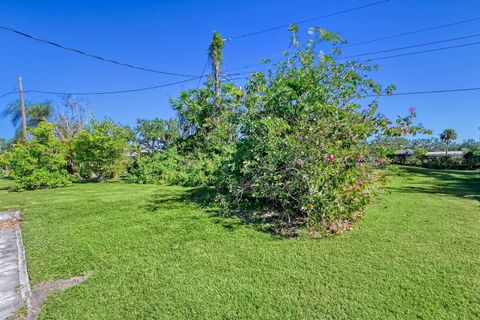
x,y
414,151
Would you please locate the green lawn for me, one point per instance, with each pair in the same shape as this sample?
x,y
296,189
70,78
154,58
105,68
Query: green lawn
x,y
157,255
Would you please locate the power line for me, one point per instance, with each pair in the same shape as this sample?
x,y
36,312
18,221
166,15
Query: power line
x,y
8,93
307,20
434,91
104,92
424,51
383,38
244,78
413,32
203,71
411,46
92,55
393,56
373,52
405,93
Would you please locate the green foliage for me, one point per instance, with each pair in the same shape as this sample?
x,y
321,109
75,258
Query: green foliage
x,y
157,134
40,162
4,161
102,150
216,48
172,168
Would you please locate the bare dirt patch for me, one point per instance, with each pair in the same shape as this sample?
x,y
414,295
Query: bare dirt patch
x,y
42,291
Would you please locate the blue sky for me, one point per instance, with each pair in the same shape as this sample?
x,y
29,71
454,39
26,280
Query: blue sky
x,y
174,36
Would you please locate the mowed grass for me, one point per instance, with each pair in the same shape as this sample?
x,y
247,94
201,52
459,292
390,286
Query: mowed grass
x,y
157,255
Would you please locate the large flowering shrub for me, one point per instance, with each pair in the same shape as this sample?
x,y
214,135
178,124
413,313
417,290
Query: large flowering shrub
x,y
303,151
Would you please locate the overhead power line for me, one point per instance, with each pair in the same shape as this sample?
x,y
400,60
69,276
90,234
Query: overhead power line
x,y
387,50
244,78
433,91
411,46
385,38
403,93
424,51
8,93
284,26
413,32
203,71
91,55
103,92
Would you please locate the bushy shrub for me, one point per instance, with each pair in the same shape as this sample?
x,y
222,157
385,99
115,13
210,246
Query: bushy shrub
x,y
191,157
171,168
40,162
471,159
303,152
102,150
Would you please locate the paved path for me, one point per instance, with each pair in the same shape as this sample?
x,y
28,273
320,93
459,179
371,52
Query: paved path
x,y
14,286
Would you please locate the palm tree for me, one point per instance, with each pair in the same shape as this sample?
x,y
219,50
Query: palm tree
x,y
447,136
36,113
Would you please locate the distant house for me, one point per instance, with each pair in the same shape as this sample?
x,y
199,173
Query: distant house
x,y
400,156
442,154
405,152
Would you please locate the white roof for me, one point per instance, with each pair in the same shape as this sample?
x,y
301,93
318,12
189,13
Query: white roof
x,y
442,153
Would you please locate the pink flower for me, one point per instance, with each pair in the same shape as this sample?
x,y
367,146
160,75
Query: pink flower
x,y
358,184
360,165
330,158
299,162
412,109
381,160
405,130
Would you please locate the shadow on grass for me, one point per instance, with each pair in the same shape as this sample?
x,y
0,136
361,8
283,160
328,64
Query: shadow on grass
x,y
463,184
204,198
6,183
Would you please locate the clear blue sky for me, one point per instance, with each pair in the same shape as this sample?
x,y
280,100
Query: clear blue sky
x,y
174,36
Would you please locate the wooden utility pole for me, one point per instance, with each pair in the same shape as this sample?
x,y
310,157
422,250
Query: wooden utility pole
x,y
22,107
216,57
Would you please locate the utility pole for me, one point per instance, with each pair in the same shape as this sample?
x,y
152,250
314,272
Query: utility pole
x,y
22,107
216,57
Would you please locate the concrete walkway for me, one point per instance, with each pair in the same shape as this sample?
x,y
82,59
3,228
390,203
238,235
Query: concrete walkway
x,y
14,285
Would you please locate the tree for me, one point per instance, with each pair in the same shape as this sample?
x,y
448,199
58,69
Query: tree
x,y
40,162
35,112
71,119
157,134
102,149
447,136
